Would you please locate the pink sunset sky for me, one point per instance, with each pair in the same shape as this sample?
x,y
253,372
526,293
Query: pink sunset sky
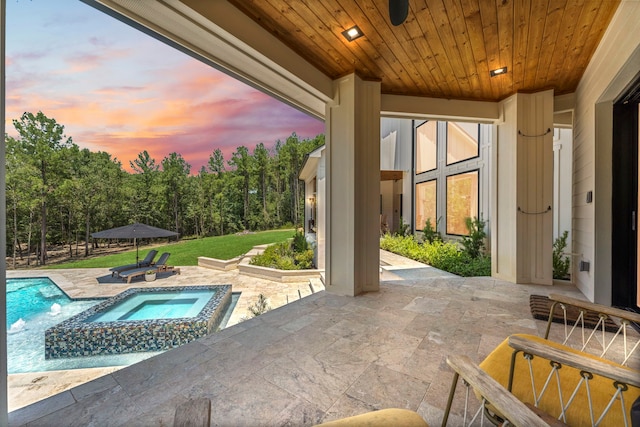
x,y
118,90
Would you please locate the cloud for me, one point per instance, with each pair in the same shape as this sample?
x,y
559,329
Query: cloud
x,y
117,90
27,56
99,42
120,91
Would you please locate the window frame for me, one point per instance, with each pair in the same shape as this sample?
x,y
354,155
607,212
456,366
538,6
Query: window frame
x,y
446,199
435,181
435,122
446,146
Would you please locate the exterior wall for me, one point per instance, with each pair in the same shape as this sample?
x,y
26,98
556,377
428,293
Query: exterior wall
x,y
482,163
562,180
386,200
613,66
403,161
321,212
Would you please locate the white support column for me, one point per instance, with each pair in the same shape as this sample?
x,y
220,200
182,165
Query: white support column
x,y
3,235
522,216
353,187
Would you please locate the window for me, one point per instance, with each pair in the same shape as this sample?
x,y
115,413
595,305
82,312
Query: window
x,y
425,203
426,147
462,141
462,201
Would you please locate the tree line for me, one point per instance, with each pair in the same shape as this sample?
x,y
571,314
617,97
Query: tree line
x,y
58,194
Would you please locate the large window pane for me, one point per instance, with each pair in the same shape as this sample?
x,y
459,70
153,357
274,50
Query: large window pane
x,y
462,141
425,203
462,201
426,147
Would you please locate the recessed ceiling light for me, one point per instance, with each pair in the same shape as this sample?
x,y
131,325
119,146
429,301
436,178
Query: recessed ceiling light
x,y
352,33
498,71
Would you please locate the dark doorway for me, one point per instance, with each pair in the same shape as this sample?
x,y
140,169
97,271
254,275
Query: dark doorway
x,y
624,251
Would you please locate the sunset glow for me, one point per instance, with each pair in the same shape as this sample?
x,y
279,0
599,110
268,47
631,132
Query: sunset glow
x,y
118,90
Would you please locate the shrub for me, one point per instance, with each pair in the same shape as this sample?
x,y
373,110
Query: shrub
x,y
404,229
294,255
473,244
443,256
440,255
398,244
470,267
561,262
304,260
430,233
300,243
261,306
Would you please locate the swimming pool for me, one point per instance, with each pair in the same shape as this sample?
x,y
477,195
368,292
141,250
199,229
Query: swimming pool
x,y
33,305
141,320
157,305
28,298
31,310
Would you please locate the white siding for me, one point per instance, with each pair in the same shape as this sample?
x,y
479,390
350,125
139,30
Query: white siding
x,y
613,66
562,188
403,158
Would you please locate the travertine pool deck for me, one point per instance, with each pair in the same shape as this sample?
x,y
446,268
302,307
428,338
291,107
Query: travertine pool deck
x,y
318,358
27,388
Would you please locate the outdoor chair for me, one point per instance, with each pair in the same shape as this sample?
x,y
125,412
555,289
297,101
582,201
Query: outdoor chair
x,y
384,417
158,267
576,374
147,261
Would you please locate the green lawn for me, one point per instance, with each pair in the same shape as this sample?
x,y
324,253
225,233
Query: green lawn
x,y
188,251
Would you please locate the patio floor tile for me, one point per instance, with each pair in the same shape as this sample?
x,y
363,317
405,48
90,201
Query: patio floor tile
x,y
320,358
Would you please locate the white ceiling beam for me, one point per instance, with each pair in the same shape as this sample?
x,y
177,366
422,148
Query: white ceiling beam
x,y
417,107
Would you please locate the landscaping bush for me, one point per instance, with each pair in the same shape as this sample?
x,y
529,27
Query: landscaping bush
x,y
473,244
444,256
430,233
290,255
440,255
404,229
259,307
561,262
299,243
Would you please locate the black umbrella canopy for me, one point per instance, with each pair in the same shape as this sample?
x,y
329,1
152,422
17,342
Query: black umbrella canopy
x,y
133,231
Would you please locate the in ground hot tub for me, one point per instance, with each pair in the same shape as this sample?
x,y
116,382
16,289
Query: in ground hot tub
x,y
140,319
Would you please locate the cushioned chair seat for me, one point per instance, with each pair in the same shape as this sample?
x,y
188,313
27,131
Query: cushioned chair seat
x,y
384,417
497,365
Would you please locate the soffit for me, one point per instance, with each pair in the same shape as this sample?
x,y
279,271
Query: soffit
x,y
445,48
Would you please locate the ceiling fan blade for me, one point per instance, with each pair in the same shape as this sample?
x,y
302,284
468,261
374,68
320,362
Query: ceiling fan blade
x,y
398,11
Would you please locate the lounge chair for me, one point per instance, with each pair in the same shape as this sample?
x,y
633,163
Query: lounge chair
x,y
159,266
574,374
146,262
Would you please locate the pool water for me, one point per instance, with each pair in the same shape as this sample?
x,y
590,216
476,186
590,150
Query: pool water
x,y
158,305
34,305
31,310
28,298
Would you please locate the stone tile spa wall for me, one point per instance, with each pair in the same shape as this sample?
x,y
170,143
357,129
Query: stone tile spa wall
x,y
78,336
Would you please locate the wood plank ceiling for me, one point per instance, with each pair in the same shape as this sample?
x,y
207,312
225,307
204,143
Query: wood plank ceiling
x,y
445,48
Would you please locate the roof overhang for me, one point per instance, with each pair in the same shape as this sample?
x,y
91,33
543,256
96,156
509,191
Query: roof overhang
x,y
309,168
233,43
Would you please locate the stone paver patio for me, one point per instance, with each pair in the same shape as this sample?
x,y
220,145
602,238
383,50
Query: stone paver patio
x,y
318,358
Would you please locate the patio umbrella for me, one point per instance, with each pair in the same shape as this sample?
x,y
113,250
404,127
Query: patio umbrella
x,y
133,231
